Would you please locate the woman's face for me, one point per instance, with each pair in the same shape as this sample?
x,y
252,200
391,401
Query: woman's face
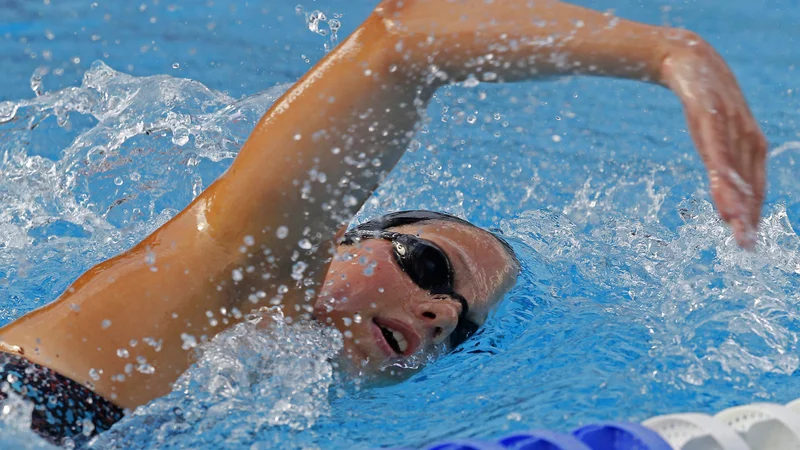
x,y
387,320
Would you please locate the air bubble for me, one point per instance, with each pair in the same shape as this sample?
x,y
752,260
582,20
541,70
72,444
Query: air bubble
x,y
305,244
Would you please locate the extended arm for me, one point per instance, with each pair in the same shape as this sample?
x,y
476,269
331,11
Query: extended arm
x,y
318,153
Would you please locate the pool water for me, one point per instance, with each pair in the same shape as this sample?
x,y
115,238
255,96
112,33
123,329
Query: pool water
x,y
634,300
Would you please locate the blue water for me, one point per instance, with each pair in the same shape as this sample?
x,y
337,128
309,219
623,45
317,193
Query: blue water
x,y
634,300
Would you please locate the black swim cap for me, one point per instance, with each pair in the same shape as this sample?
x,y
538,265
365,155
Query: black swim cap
x,y
400,218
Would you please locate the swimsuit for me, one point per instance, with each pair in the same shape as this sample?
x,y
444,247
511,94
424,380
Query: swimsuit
x,y
62,407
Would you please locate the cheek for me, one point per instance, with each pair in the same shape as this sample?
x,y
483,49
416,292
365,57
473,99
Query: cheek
x,y
353,286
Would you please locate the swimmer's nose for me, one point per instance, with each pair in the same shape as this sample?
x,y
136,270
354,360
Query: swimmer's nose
x,y
439,317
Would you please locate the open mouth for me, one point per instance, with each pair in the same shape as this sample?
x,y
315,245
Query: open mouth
x,y
396,340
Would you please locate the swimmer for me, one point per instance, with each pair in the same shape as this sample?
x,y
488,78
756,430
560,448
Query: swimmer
x,y
435,278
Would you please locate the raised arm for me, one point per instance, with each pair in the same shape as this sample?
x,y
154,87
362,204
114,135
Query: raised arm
x,y
318,153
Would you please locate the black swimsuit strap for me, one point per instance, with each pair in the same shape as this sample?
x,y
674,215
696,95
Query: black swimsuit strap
x,y
62,408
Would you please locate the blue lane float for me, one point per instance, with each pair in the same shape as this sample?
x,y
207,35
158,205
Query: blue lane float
x,y
597,436
757,426
620,436
542,440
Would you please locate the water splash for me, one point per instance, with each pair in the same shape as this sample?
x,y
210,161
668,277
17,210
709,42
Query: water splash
x,y
65,153
15,423
314,21
252,377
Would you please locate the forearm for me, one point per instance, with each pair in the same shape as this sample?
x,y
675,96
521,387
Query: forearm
x,y
510,41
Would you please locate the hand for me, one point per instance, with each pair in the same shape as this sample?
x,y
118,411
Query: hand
x,y
725,133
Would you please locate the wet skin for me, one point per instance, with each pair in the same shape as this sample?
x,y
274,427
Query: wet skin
x,y
365,281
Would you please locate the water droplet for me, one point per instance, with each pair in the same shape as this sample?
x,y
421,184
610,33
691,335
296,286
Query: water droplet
x,y
180,136
496,116
515,416
305,244
105,324
556,138
282,232
93,374
150,258
118,181
123,353
298,136
471,119
237,275
489,76
297,270
189,342
146,369
336,150
7,111
176,65
471,81
249,241
347,321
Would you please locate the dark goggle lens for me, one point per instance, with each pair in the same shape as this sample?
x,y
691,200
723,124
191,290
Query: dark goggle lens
x,y
425,264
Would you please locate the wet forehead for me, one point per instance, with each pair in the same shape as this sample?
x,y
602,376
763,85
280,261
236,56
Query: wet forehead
x,y
479,261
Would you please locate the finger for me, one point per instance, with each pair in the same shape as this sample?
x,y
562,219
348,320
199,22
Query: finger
x,y
713,140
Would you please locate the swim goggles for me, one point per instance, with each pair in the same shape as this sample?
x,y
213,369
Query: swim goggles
x,y
428,267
